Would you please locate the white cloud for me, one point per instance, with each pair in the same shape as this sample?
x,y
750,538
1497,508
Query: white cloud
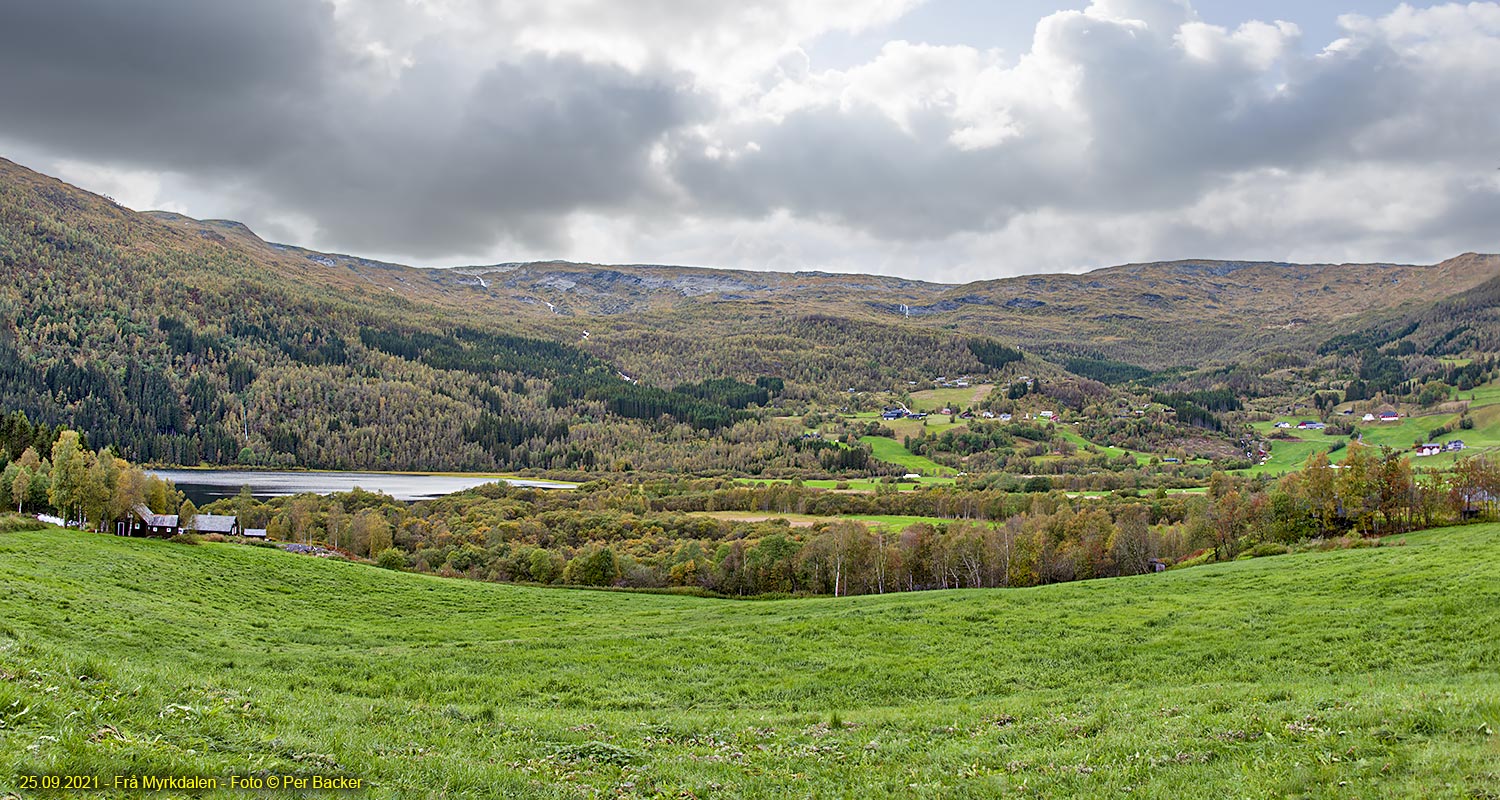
x,y
133,188
438,131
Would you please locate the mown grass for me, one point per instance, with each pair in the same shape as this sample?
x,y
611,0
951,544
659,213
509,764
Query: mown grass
x,y
885,522
893,452
1358,673
937,399
1108,450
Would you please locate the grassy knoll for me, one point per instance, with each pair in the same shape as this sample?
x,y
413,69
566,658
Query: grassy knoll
x,y
1356,673
893,452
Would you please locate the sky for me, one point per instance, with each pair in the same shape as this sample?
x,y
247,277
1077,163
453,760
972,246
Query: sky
x,y
949,140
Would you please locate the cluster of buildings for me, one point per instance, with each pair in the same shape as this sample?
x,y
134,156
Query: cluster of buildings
x,y
144,522
1433,448
1314,425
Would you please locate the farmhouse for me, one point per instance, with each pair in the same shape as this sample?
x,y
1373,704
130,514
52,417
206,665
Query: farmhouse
x,y
144,522
214,523
1429,449
254,533
1389,416
1455,446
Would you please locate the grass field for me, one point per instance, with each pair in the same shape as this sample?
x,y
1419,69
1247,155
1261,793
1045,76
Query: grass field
x,y
1108,450
855,484
1357,673
1289,455
886,522
894,452
911,427
934,399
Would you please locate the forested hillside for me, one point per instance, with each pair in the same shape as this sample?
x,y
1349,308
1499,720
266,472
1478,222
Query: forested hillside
x,y
183,341
186,349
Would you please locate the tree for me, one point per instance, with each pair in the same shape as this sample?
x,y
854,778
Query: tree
x,y
542,566
70,476
1357,488
1319,483
20,486
186,514
1396,488
370,531
130,491
1227,520
1131,544
594,567
838,554
391,558
104,475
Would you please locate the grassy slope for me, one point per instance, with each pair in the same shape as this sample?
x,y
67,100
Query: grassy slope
x,y
1108,450
935,399
1368,673
887,522
893,452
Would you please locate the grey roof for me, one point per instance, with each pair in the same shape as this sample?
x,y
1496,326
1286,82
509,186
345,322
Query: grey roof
x,y
213,523
255,533
153,519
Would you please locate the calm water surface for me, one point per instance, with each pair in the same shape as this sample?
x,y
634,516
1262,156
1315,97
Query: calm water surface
x,y
205,485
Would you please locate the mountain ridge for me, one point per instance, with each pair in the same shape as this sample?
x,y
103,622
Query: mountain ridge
x,y
197,341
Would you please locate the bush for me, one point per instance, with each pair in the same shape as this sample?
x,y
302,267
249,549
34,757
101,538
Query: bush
x,y
1266,549
214,537
11,523
391,558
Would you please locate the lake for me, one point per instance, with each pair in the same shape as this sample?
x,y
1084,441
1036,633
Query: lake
x,y
206,485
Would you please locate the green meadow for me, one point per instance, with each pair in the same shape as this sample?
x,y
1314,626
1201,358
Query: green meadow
x,y
1365,673
955,398
889,523
893,452
1108,450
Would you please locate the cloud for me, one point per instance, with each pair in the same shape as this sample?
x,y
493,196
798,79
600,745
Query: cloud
x,y
459,130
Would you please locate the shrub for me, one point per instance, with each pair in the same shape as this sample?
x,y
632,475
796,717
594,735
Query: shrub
x,y
1266,549
214,537
391,558
11,523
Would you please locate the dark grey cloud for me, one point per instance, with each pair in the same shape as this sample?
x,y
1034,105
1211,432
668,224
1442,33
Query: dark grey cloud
x,y
261,94
426,172
178,84
1128,132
